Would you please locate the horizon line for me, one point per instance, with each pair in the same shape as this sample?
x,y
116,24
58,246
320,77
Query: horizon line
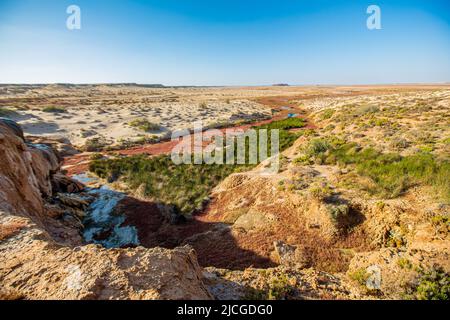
x,y
159,85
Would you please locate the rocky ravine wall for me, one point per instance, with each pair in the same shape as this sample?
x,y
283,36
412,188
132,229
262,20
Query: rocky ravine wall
x,y
41,252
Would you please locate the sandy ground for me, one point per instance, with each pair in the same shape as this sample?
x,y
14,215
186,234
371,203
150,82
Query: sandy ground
x,y
105,112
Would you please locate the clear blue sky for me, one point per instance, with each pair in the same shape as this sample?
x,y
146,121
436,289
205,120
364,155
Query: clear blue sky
x,y
225,42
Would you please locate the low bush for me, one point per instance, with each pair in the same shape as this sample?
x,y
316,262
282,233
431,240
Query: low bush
x,y
144,125
391,173
360,276
95,145
54,109
433,285
6,112
327,114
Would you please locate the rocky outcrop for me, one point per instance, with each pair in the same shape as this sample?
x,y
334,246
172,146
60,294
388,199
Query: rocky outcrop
x,y
280,283
33,268
24,173
41,251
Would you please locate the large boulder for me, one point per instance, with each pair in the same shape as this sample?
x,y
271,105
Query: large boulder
x,y
32,266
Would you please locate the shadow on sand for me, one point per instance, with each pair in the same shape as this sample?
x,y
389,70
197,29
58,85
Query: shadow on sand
x,y
213,242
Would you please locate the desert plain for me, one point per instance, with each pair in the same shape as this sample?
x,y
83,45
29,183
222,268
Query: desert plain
x,y
358,210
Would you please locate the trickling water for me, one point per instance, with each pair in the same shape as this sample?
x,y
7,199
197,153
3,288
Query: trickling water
x,y
84,178
102,225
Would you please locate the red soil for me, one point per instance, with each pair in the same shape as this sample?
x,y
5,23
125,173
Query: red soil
x,y
80,163
215,243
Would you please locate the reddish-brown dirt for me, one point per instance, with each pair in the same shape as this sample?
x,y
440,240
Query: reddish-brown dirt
x,y
319,252
215,243
80,163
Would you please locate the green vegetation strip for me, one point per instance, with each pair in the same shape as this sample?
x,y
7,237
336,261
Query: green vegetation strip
x,y
391,173
54,109
185,186
6,112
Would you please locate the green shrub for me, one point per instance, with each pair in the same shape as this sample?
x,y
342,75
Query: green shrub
x,y
94,145
54,109
404,263
320,191
434,285
327,114
391,173
315,152
318,147
338,212
6,112
378,122
360,276
367,109
144,125
278,288
441,223
96,156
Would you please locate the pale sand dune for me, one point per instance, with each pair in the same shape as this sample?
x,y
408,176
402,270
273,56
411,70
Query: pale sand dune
x,y
105,111
107,114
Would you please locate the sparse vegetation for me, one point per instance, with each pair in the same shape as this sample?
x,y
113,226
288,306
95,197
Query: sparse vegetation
x,y
96,156
360,276
95,145
144,125
344,237
278,288
186,186
54,109
391,173
433,285
327,114
6,112
441,223
404,263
